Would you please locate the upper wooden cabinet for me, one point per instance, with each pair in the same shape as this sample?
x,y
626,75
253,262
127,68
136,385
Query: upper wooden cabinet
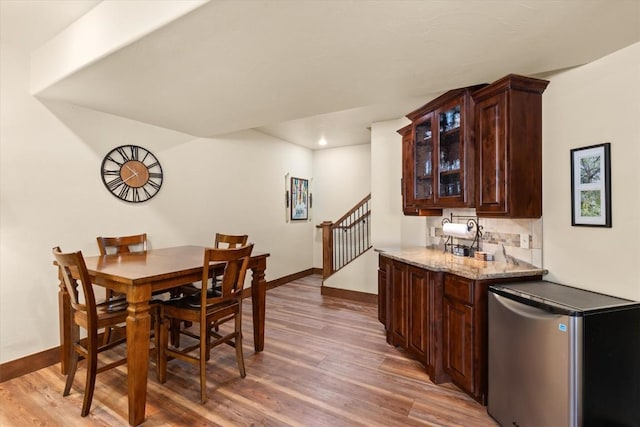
x,y
479,146
438,154
508,133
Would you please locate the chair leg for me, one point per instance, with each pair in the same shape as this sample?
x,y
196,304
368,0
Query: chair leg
x,y
73,366
175,333
92,367
238,343
73,360
107,335
208,341
162,350
109,294
204,351
157,339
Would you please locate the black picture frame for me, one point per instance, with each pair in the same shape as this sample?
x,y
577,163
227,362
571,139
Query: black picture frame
x,y
591,186
299,199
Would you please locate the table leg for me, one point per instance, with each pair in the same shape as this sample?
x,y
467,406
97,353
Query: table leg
x,y
258,300
138,327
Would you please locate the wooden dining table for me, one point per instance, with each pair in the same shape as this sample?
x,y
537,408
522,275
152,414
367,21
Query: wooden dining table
x,y
138,275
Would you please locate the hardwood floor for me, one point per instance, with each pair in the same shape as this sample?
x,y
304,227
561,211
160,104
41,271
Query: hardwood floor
x,y
325,363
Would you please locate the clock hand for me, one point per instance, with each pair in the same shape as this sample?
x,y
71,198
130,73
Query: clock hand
x,y
134,172
130,176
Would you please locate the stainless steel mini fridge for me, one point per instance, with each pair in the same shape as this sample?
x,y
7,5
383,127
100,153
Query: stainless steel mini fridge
x,y
562,356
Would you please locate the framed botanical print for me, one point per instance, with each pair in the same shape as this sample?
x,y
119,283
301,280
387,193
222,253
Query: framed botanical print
x,y
591,186
299,199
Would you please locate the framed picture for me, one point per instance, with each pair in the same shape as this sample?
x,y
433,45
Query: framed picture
x,y
299,199
591,186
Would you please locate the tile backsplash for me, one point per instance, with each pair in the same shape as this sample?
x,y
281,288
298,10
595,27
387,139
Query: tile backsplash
x,y
495,233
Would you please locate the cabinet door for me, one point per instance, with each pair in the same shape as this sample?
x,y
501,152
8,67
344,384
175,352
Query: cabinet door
x,y
450,152
508,115
458,343
398,301
418,163
419,307
382,290
492,155
407,184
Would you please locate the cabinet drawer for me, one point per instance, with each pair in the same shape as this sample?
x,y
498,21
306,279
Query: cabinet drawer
x,y
459,288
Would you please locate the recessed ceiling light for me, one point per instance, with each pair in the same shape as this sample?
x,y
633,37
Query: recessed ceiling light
x,y
322,141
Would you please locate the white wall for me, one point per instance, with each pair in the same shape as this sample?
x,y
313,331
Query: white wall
x,y
51,194
390,226
341,178
593,104
360,275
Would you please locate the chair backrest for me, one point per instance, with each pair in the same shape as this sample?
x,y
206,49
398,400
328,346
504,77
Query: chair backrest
x,y
68,264
121,245
236,261
230,240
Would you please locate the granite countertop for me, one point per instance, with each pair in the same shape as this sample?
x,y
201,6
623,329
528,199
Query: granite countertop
x,y
471,268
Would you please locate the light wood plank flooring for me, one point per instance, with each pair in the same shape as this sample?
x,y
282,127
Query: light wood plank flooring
x,y
325,363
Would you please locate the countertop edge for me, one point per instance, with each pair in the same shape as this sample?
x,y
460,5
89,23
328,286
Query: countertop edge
x,y
470,268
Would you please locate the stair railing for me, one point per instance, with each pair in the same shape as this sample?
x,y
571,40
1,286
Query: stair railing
x,y
347,238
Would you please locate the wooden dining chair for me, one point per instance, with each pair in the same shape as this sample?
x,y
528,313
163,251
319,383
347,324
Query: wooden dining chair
x,y
119,245
122,244
90,316
225,241
229,241
205,309
125,245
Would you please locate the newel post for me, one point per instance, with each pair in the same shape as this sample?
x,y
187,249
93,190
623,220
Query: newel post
x,y
327,249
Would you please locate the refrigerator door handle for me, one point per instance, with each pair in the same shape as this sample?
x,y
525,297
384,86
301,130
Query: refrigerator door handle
x,y
525,310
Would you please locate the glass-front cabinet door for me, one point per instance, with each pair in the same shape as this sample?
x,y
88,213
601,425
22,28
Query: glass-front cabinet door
x,y
438,155
450,179
423,166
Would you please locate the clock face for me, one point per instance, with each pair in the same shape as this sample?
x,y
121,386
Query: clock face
x,y
131,173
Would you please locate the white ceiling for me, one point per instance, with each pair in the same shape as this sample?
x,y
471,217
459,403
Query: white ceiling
x,y
30,23
304,69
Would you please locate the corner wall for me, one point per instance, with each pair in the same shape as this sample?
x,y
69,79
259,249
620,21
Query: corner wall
x,y
341,178
390,227
596,103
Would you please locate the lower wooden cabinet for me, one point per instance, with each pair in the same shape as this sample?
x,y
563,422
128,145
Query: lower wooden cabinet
x,y
413,312
439,318
458,340
464,351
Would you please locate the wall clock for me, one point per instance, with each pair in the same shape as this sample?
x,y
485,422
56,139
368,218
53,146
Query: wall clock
x,y
131,173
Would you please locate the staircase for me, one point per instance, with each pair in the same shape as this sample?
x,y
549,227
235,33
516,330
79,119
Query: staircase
x,y
346,239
